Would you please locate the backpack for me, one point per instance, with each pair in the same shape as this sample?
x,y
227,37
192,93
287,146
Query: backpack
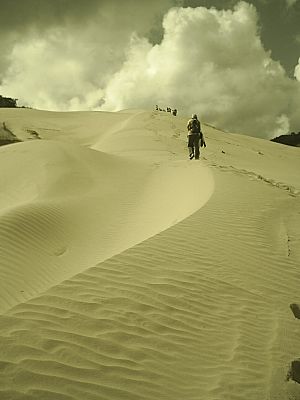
x,y
195,126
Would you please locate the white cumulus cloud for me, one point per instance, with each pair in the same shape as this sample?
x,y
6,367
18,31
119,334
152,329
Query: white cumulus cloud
x,y
62,69
297,71
213,63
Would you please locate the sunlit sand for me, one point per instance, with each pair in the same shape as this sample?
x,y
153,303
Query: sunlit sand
x,y
128,271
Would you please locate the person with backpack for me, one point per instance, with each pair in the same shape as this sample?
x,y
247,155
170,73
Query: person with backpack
x,y
195,137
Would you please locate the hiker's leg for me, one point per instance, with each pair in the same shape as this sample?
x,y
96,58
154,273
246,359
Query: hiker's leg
x,y
197,150
191,146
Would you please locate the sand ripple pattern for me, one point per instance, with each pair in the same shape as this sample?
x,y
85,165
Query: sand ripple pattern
x,y
175,317
71,207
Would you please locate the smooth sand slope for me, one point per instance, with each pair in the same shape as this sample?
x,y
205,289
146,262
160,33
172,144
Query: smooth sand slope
x,y
128,271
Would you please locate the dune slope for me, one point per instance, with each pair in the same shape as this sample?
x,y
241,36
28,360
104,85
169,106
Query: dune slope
x,y
174,283
66,206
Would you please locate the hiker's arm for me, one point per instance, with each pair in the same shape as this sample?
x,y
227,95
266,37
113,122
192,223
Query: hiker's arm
x,y
202,139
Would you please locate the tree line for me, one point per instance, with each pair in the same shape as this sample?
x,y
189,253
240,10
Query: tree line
x,y
291,139
8,102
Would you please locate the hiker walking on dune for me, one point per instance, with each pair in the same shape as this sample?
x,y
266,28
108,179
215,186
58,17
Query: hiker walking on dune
x,y
195,137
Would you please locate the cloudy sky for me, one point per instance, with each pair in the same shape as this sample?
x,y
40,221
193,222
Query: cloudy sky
x,y
234,63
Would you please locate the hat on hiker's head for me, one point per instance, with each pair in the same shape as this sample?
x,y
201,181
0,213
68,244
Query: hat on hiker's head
x,y
194,116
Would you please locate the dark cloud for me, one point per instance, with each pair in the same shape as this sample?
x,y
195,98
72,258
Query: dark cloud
x,y
279,28
41,14
19,15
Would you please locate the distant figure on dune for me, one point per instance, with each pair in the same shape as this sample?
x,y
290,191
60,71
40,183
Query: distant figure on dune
x,y
195,136
167,109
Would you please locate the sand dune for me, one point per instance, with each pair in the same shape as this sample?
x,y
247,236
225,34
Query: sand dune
x,y
130,272
72,207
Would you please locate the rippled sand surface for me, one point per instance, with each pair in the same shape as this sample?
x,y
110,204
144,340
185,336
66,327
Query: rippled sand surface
x,y
128,271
